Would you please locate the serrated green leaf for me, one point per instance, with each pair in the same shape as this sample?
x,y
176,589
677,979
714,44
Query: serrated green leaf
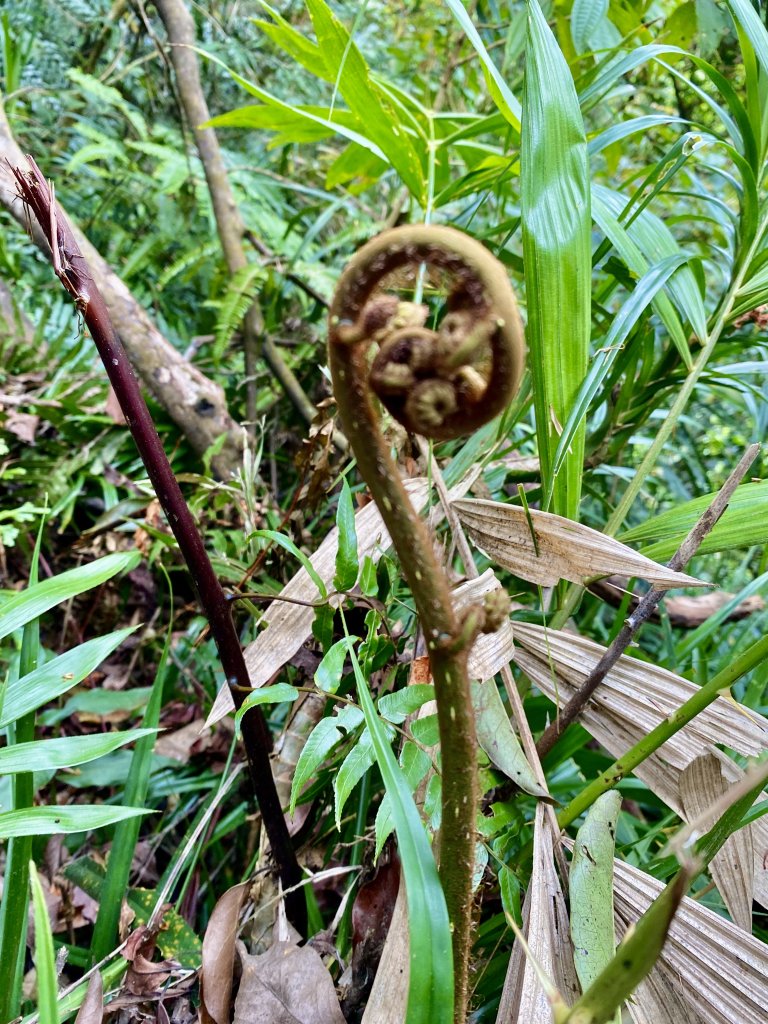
x,y
396,707
237,300
47,821
48,682
323,738
33,602
353,767
346,554
329,671
278,693
426,730
345,62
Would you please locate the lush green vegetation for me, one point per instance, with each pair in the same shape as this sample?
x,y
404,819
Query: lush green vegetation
x,y
612,156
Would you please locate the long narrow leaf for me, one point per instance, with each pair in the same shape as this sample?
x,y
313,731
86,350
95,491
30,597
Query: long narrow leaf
x,y
556,248
430,997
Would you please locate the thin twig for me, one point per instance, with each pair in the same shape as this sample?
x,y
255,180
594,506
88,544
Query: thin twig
x,y
646,606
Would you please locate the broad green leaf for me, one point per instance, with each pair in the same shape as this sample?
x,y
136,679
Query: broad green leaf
x,y
556,222
396,707
343,59
302,50
644,293
329,671
430,993
31,691
45,961
498,739
33,602
591,890
586,16
346,555
500,92
278,693
744,522
352,768
323,738
50,755
47,821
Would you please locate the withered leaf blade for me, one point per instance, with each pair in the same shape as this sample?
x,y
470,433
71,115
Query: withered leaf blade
x,y
632,700
717,971
219,956
701,784
545,925
286,985
544,548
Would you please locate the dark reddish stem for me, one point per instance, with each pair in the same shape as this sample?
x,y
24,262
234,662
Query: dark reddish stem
x,y
72,270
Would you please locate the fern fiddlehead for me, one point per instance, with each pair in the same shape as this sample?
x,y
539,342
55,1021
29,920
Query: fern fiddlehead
x,y
441,383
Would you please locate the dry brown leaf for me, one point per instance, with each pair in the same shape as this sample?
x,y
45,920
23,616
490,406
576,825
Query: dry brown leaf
x,y
389,996
732,870
23,424
219,956
545,926
683,610
563,550
92,1007
287,626
633,699
177,744
716,969
286,985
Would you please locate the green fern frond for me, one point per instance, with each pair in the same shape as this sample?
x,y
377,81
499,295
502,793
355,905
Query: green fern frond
x,y
235,304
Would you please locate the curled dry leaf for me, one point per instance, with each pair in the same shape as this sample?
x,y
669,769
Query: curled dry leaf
x,y
544,548
92,1007
710,969
701,785
545,926
287,626
219,957
286,985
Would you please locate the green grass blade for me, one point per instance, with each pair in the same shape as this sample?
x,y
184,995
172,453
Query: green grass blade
x,y
44,684
746,17
502,95
556,250
744,522
48,821
45,961
430,995
36,600
50,755
644,293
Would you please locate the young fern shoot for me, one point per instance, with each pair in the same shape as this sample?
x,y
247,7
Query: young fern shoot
x,y
441,383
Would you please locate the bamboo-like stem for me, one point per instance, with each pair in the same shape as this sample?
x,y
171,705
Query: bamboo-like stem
x,y
664,731
72,270
428,381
